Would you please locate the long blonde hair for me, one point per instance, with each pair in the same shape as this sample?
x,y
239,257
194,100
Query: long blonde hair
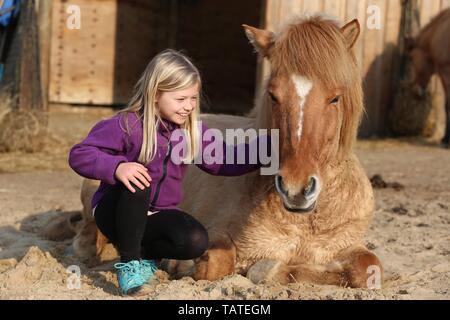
x,y
168,71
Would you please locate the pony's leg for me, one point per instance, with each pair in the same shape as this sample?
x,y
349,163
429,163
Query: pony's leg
x,y
355,267
218,261
178,269
445,78
63,227
101,242
278,271
89,242
85,242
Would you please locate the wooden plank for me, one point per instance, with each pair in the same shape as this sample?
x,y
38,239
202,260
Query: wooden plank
x,y
428,10
290,9
390,60
101,62
313,6
333,8
272,14
393,16
276,13
45,30
373,67
445,4
55,53
356,9
343,11
78,74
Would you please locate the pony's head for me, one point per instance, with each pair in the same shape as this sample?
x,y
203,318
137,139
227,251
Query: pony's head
x,y
313,97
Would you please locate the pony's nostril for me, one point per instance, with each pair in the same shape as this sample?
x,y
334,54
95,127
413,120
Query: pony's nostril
x,y
279,184
311,188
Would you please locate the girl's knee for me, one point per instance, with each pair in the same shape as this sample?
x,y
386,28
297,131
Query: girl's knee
x,y
197,242
139,193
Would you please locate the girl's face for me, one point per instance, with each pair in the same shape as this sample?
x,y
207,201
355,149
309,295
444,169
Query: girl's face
x,y
176,106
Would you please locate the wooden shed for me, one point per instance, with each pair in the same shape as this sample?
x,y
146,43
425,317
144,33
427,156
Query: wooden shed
x,y
100,62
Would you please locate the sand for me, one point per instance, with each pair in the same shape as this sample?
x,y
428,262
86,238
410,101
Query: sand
x,y
410,232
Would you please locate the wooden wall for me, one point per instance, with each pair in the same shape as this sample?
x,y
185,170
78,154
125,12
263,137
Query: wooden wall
x,y
375,49
101,62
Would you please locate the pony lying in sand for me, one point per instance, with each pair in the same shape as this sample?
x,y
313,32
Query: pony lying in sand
x,y
307,222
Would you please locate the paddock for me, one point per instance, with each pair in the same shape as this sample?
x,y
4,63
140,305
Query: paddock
x,y
409,232
90,77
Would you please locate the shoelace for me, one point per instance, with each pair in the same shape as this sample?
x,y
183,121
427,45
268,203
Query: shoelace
x,y
127,267
152,265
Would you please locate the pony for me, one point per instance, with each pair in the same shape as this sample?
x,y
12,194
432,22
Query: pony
x,y
307,222
429,53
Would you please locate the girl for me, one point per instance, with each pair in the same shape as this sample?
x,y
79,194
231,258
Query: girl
x,y
135,206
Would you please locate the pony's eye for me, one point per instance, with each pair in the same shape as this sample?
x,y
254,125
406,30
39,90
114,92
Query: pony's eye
x,y
335,100
273,98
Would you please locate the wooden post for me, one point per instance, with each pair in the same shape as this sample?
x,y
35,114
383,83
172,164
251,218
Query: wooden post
x,y
45,29
24,122
262,66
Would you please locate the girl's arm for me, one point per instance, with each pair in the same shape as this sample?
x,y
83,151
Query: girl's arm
x,y
251,151
99,154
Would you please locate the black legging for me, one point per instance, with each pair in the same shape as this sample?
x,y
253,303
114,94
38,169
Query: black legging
x,y
122,217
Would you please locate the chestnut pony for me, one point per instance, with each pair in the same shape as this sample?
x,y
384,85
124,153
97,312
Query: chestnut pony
x,y
307,222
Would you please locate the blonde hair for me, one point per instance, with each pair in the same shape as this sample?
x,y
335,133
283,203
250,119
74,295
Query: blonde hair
x,y
168,71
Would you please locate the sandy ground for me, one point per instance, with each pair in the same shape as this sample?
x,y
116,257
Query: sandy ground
x,y
410,232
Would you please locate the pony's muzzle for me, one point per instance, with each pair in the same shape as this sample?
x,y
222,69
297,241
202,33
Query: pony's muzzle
x,y
311,188
303,201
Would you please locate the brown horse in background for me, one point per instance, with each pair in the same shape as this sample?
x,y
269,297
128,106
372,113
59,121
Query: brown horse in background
x,y
429,52
307,222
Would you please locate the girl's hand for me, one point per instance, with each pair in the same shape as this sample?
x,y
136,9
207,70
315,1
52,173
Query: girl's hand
x,y
127,172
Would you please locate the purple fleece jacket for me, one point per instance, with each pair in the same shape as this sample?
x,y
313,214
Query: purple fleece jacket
x,y
107,145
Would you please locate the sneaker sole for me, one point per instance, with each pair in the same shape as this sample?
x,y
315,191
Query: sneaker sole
x,y
131,292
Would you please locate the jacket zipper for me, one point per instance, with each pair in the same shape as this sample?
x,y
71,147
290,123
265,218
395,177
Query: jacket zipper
x,y
158,186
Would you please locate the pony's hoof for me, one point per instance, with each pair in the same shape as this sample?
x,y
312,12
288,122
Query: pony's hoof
x,y
178,269
265,269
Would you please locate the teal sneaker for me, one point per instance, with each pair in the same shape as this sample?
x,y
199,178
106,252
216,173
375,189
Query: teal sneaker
x,y
148,268
129,276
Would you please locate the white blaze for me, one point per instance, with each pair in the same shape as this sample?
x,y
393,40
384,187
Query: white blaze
x,y
303,87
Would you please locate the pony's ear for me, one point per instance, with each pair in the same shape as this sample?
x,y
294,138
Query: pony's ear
x,y
262,40
351,32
